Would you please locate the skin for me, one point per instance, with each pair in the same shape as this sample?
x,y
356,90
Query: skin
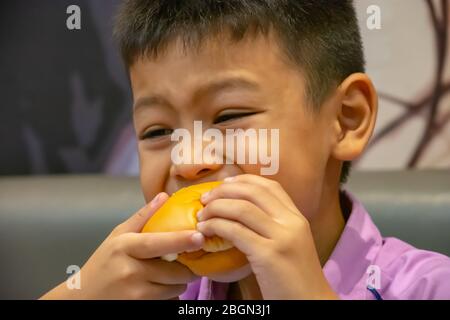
x,y
293,217
127,265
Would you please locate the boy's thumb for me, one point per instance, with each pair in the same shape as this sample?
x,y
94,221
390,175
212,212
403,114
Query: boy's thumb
x,y
137,221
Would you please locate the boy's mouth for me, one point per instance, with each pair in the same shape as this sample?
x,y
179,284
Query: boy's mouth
x,y
212,245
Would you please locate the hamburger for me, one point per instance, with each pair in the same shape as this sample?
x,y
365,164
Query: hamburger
x,y
218,257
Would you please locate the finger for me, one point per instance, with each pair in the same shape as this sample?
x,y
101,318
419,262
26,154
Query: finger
x,y
154,245
137,221
272,186
241,211
247,241
163,272
266,201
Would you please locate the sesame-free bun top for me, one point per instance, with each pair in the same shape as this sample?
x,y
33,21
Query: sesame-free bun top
x,y
218,256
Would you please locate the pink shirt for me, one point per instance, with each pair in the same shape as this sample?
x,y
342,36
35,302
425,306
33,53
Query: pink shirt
x,y
364,265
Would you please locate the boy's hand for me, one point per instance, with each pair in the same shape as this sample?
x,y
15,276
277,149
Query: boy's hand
x,y
127,264
260,219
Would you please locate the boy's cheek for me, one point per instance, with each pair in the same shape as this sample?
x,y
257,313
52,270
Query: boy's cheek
x,y
147,186
302,182
152,178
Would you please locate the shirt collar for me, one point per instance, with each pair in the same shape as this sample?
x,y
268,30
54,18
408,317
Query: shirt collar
x,y
354,252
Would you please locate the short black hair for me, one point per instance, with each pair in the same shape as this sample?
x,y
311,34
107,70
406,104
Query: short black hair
x,y
321,37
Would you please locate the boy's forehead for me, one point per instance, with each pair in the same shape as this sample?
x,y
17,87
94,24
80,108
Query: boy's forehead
x,y
251,64
258,57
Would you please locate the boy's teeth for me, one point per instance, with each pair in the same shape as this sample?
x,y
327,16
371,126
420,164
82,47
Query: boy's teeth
x,y
216,244
213,245
170,257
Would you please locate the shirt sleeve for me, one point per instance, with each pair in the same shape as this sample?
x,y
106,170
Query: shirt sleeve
x,y
431,284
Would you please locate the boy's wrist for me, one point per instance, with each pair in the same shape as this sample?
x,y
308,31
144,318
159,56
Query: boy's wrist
x,y
61,292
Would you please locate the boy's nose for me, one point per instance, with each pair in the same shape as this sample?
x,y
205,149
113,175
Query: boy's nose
x,y
193,171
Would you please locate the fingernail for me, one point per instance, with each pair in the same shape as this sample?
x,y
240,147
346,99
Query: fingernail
x,y
198,238
200,225
205,196
155,200
229,179
199,215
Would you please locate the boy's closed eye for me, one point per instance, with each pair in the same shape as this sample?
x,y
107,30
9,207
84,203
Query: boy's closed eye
x,y
223,118
156,133
227,117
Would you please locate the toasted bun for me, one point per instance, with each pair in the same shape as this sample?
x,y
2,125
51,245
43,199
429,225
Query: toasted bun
x,y
179,213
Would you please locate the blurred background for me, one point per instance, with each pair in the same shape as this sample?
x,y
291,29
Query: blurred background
x,y
65,102
65,108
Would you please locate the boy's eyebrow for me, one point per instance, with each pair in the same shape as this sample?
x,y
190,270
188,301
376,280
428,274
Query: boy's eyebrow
x,y
210,88
149,101
215,86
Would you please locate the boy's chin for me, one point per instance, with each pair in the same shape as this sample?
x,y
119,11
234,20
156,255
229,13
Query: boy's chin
x,y
232,276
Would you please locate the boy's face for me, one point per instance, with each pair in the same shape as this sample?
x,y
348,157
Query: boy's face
x,y
226,85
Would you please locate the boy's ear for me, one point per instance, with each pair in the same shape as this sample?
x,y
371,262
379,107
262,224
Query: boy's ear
x,y
356,116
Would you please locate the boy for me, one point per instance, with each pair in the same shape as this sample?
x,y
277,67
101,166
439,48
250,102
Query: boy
x,y
295,66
